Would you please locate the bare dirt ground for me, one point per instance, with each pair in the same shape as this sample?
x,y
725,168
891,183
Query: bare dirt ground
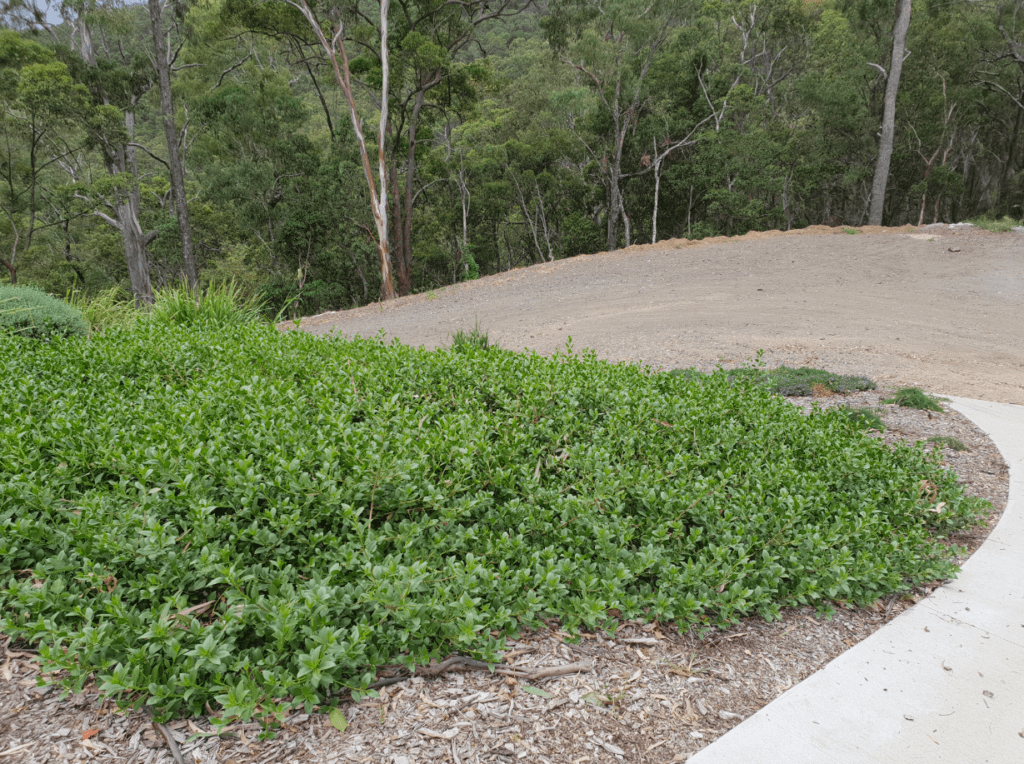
x,y
892,304
648,693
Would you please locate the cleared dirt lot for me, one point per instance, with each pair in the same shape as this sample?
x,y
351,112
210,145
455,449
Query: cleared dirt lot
x,y
893,304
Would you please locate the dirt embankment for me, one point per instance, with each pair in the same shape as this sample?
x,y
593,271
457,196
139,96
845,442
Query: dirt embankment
x,y
938,308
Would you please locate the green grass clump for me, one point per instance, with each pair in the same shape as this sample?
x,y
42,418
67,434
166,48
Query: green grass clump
x,y
253,519
1001,225
792,382
30,312
914,398
954,444
216,305
864,418
110,308
466,341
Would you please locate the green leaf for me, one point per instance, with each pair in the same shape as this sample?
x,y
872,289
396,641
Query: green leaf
x,y
337,717
537,691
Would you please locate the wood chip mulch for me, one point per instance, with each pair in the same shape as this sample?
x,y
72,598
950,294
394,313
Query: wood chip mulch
x,y
652,694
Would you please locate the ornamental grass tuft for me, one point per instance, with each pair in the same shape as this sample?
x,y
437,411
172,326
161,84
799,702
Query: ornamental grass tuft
x,y
256,520
915,398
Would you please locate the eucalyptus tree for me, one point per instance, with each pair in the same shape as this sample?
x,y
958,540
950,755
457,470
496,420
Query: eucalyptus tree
x,y
432,71
892,85
1010,23
163,57
612,46
108,47
46,117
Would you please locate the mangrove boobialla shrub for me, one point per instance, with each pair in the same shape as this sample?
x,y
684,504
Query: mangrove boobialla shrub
x,y
243,517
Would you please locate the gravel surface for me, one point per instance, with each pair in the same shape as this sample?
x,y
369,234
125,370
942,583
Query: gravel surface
x,y
893,304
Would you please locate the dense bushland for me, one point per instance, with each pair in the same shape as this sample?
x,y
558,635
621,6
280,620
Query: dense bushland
x,y
246,518
516,134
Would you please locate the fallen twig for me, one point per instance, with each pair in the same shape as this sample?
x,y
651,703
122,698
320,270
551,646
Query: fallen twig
x,y
462,663
162,729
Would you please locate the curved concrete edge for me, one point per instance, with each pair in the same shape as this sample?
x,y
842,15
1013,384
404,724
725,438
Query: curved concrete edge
x,y
943,682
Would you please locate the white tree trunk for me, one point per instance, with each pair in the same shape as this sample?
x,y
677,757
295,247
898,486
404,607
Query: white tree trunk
x,y
378,203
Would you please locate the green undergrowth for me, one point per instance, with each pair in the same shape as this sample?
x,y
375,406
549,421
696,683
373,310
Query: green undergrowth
x,y
112,307
218,304
791,382
471,340
942,441
251,519
999,225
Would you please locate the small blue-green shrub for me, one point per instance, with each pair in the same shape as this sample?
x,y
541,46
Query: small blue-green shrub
x,y
27,311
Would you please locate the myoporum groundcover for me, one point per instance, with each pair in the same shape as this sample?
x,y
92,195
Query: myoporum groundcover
x,y
250,519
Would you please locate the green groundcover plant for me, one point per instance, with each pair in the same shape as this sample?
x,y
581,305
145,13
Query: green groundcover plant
x,y
791,382
254,519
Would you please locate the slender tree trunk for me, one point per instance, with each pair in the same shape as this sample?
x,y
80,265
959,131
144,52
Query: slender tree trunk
x,y
163,70
378,202
544,221
118,160
464,197
396,224
135,254
126,210
612,242
689,211
657,190
899,43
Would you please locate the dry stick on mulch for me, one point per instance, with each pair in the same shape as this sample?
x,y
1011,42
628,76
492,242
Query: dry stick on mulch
x,y
162,729
462,663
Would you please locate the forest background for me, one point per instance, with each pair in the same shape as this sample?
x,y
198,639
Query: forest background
x,y
323,154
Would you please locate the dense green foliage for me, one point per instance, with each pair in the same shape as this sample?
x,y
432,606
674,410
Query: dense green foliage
x,y
248,518
111,307
521,133
468,341
30,312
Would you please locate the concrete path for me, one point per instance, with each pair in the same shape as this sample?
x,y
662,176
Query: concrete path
x,y
944,682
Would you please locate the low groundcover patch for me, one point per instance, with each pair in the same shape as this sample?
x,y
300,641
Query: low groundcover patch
x,y
252,519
